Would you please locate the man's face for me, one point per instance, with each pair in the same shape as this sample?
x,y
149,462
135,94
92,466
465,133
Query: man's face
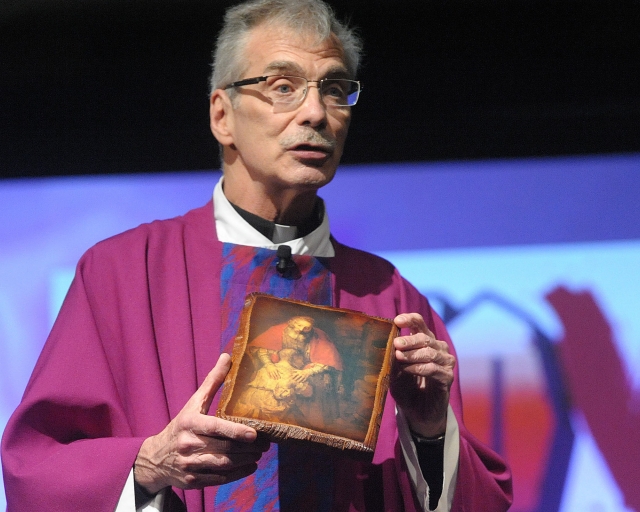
x,y
300,149
299,329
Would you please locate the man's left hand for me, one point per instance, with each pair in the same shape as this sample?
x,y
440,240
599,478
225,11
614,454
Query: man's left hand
x,y
421,376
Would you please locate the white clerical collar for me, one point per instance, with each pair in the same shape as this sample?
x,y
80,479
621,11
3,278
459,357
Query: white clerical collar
x,y
232,228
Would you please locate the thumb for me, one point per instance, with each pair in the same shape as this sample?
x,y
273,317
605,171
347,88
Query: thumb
x,y
202,398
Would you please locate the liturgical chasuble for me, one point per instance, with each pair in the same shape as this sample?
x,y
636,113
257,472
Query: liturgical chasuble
x,y
139,330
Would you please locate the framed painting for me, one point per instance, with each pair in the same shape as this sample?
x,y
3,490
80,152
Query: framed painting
x,y
309,373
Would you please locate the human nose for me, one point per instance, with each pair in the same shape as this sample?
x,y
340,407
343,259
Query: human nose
x,y
313,111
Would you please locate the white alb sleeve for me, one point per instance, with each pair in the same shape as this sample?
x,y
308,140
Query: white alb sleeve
x,y
450,466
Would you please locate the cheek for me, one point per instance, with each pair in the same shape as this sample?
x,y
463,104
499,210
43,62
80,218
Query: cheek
x,y
259,126
340,129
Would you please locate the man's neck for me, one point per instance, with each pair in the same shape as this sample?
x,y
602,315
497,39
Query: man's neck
x,y
284,206
279,233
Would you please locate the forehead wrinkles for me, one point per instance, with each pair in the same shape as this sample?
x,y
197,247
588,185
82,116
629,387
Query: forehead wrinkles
x,y
268,49
285,67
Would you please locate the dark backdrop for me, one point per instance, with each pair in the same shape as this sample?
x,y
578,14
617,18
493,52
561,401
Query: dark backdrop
x,y
121,86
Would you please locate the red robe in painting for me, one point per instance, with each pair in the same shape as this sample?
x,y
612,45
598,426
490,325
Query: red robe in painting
x,y
321,350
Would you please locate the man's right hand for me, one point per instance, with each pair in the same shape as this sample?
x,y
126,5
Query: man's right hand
x,y
196,450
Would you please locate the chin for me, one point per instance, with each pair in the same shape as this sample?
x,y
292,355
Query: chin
x,y
307,175
314,177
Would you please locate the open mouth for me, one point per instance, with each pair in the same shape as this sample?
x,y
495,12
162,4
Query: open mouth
x,y
312,147
311,151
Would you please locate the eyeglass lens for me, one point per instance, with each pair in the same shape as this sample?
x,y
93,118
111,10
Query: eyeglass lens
x,y
289,91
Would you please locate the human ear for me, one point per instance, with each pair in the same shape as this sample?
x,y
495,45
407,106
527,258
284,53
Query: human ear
x,y
221,117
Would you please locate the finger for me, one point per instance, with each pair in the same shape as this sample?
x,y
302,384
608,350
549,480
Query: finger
x,y
201,399
412,321
212,427
217,462
418,341
430,372
199,480
425,355
219,445
427,363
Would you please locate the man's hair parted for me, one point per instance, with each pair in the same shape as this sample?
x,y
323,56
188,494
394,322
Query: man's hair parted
x,y
302,16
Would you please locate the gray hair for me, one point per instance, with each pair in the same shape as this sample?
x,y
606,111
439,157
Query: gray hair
x,y
302,16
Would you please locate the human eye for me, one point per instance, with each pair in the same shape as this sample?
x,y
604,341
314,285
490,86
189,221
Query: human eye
x,y
335,91
281,88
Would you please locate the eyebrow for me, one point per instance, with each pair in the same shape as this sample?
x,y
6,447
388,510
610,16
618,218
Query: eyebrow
x,y
286,67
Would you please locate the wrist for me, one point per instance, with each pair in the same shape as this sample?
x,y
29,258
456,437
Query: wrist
x,y
427,429
145,475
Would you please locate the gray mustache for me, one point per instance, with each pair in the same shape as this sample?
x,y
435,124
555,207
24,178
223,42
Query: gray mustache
x,y
311,137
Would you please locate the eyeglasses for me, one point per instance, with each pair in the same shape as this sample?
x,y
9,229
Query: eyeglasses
x,y
288,92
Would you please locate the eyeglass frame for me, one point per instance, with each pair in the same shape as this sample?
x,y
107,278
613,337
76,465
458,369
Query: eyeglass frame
x,y
258,79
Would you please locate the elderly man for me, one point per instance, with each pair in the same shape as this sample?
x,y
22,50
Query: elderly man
x,y
119,397
317,351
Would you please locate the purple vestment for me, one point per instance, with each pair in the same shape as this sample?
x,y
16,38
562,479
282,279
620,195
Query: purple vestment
x,y
138,332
